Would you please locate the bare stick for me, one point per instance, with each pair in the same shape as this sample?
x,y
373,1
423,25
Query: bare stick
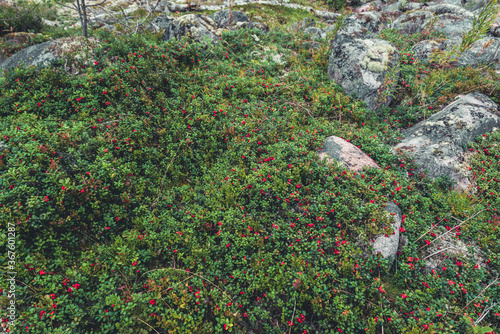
x,y
293,314
147,325
439,251
27,12
484,314
496,279
442,235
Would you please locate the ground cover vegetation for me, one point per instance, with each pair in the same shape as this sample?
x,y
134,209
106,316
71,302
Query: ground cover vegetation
x,y
152,193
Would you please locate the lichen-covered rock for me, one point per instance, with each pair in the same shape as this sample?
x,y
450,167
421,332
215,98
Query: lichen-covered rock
x,y
327,16
200,27
437,143
195,26
424,49
475,4
412,22
360,66
485,51
160,22
453,21
313,32
361,25
252,25
222,17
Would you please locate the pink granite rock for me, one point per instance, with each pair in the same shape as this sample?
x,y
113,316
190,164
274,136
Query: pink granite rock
x,y
346,153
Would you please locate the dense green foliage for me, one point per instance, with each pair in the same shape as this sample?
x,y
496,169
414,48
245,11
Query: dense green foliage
x,y
18,18
154,190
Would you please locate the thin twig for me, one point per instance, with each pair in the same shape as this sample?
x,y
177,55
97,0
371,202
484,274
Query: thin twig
x,y
190,273
496,279
27,12
163,179
436,225
442,235
147,325
439,251
293,314
484,314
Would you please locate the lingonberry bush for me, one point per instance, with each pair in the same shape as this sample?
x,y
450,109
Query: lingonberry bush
x,y
174,187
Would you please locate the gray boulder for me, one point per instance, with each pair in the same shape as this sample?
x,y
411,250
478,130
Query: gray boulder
x,y
222,17
412,22
37,55
196,26
314,32
327,16
475,4
484,51
424,49
452,21
437,144
360,66
159,23
252,25
362,25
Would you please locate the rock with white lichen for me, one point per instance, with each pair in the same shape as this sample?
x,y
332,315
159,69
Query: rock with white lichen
x,y
437,144
360,66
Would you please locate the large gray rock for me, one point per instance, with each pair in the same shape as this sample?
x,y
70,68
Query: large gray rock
x,y
451,21
37,55
475,4
324,15
361,25
160,23
424,49
222,17
412,22
196,26
437,143
360,66
484,51
199,27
